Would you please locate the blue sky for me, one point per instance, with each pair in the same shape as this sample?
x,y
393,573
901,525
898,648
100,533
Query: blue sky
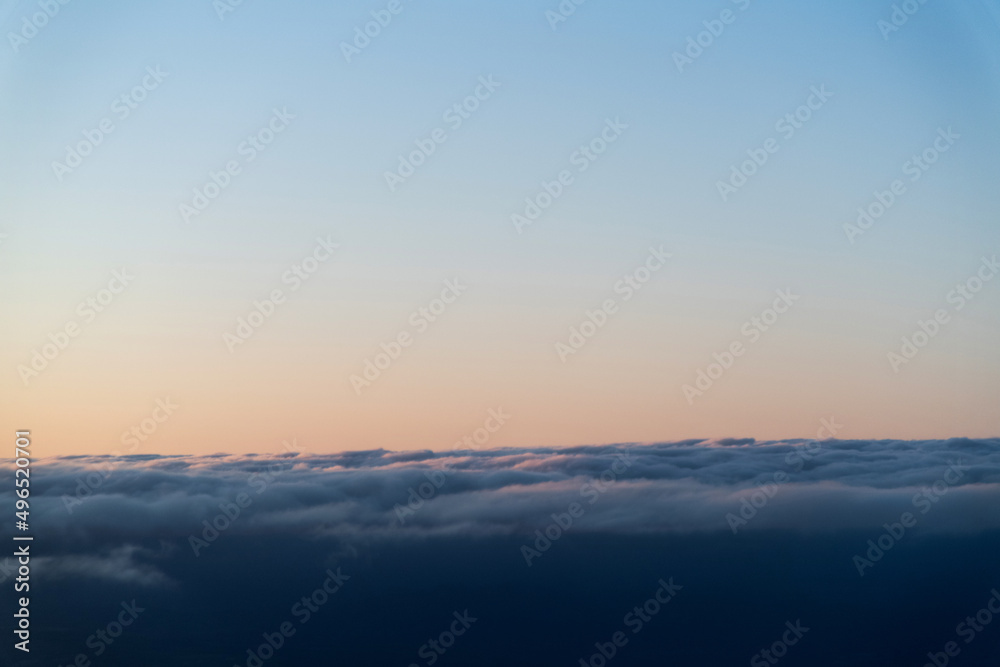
x,y
656,185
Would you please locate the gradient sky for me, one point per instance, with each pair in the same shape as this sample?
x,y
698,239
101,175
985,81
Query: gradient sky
x,y
495,346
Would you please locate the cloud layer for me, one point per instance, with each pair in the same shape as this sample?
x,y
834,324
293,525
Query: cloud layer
x,y
549,547
670,487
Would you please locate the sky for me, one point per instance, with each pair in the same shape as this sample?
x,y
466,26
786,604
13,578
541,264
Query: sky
x,y
333,122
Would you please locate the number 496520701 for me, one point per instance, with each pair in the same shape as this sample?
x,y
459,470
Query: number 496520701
x,y
22,473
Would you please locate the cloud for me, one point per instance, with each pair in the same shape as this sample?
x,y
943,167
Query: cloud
x,y
665,487
272,526
123,565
